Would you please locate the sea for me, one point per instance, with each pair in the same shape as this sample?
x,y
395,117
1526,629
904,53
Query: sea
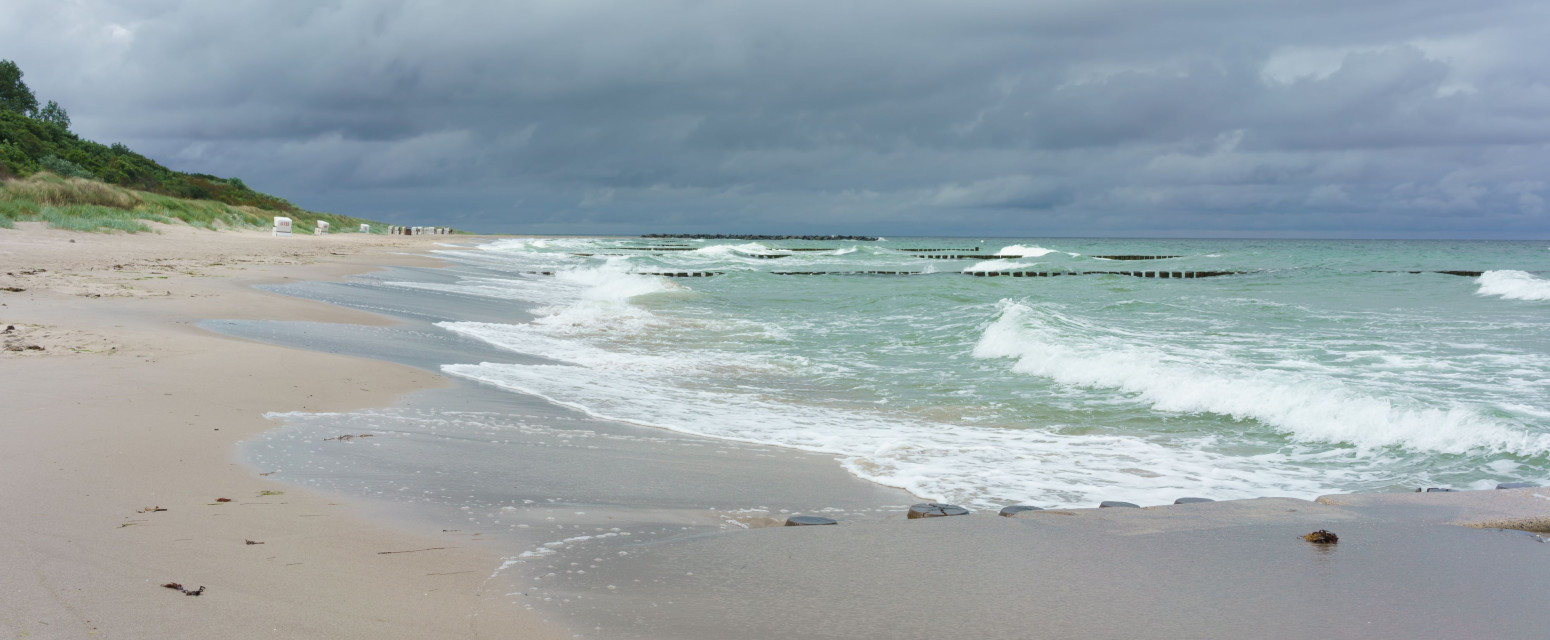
x,y
995,371
626,422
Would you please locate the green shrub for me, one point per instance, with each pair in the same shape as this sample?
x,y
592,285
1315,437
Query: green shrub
x,y
65,168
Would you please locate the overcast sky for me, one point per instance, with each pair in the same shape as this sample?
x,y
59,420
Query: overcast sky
x,y
1315,118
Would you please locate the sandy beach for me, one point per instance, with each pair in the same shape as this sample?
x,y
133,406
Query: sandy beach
x,y
118,456
159,358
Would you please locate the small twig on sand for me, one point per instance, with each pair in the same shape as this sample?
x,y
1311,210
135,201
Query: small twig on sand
x,y
178,587
383,553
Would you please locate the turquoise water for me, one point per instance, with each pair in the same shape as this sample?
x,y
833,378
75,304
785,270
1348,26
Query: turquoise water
x,y
1322,367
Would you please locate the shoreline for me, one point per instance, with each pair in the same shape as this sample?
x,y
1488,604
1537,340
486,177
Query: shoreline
x,y
130,406
170,401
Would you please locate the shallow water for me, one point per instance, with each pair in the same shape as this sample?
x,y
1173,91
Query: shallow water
x,y
1321,367
1308,374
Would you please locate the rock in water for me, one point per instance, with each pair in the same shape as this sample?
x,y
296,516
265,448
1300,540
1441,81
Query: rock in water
x,y
808,521
1516,485
935,510
1018,508
1322,537
1112,504
1192,500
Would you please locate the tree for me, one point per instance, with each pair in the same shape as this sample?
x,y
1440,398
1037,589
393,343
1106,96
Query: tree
x,y
52,113
14,94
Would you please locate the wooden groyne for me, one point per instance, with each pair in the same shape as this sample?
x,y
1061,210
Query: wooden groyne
x,y
1020,274
973,249
1133,274
1467,274
978,274
1012,256
736,236
848,273
666,274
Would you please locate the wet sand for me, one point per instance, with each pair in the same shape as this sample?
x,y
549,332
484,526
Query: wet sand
x,y
129,406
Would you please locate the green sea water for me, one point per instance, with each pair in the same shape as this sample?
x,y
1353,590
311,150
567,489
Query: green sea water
x,y
1315,367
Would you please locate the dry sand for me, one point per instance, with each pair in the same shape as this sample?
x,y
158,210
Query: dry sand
x,y
113,403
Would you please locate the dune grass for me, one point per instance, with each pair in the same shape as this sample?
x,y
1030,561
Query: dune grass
x,y
86,217
89,205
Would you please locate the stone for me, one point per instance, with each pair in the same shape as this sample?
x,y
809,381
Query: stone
x,y
1114,504
808,521
1192,500
935,510
1516,485
1322,537
1018,508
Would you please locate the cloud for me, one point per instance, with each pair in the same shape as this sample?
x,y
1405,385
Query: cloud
x,y
1125,117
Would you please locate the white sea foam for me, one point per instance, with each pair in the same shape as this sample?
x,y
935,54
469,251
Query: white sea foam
x,y
998,265
623,362
972,465
701,391
1513,285
732,249
1025,251
1307,407
705,392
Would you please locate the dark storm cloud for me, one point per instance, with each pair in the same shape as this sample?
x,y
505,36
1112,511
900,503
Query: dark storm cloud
x,y
1383,118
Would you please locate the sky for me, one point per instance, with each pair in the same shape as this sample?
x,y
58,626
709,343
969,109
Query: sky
x,y
1130,118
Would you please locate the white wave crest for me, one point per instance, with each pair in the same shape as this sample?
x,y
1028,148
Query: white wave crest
x,y
1303,406
1023,251
1513,285
997,265
966,464
732,249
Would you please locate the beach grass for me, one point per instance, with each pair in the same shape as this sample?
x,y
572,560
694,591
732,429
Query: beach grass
x,y
86,217
82,204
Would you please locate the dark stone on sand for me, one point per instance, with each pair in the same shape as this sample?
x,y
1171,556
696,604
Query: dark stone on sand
x,y
1516,485
935,510
1115,504
1018,508
808,521
1436,490
1192,500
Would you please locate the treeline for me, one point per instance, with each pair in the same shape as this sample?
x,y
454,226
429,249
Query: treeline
x,y
34,139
